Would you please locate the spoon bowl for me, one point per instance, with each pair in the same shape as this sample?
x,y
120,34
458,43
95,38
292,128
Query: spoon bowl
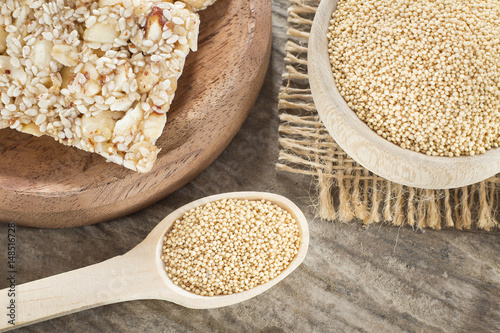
x,y
138,274
191,300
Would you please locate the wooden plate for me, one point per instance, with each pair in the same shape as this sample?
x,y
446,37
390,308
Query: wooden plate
x,y
45,184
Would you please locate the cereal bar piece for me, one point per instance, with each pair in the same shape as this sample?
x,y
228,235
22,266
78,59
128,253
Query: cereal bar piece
x,y
198,5
96,75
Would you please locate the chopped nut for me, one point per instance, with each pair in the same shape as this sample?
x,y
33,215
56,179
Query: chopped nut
x,y
67,76
91,84
146,79
41,53
103,33
142,9
153,126
32,129
102,124
198,5
3,39
65,54
8,70
122,104
103,3
129,124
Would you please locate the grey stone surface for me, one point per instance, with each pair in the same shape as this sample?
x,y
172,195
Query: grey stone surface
x,y
354,279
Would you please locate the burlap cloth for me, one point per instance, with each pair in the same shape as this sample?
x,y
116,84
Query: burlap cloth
x,y
346,190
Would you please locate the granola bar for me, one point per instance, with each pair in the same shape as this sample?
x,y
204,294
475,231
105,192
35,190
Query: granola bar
x,y
96,75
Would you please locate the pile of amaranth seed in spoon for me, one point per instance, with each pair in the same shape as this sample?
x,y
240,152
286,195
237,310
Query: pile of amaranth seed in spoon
x,y
229,246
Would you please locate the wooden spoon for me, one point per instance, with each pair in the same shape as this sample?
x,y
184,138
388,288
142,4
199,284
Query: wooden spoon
x,y
138,274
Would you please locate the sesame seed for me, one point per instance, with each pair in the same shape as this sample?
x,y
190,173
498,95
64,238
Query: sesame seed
x,y
31,112
40,119
91,21
172,39
147,43
177,20
48,35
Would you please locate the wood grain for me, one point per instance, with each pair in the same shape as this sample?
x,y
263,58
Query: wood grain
x,y
371,150
44,184
354,278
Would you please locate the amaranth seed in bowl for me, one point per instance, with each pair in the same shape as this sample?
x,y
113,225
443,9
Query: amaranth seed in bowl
x,y
423,74
229,246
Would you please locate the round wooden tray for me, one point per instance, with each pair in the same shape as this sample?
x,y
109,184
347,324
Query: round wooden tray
x,y
45,184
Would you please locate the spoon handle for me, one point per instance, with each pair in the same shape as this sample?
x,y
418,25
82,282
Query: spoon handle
x,y
115,280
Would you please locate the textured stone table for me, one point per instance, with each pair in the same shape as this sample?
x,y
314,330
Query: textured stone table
x,y
379,279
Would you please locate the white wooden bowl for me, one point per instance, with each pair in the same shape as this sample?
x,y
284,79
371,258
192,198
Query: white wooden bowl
x,y
373,152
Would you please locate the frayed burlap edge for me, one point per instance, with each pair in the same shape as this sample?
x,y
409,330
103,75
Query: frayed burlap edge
x,y
347,191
